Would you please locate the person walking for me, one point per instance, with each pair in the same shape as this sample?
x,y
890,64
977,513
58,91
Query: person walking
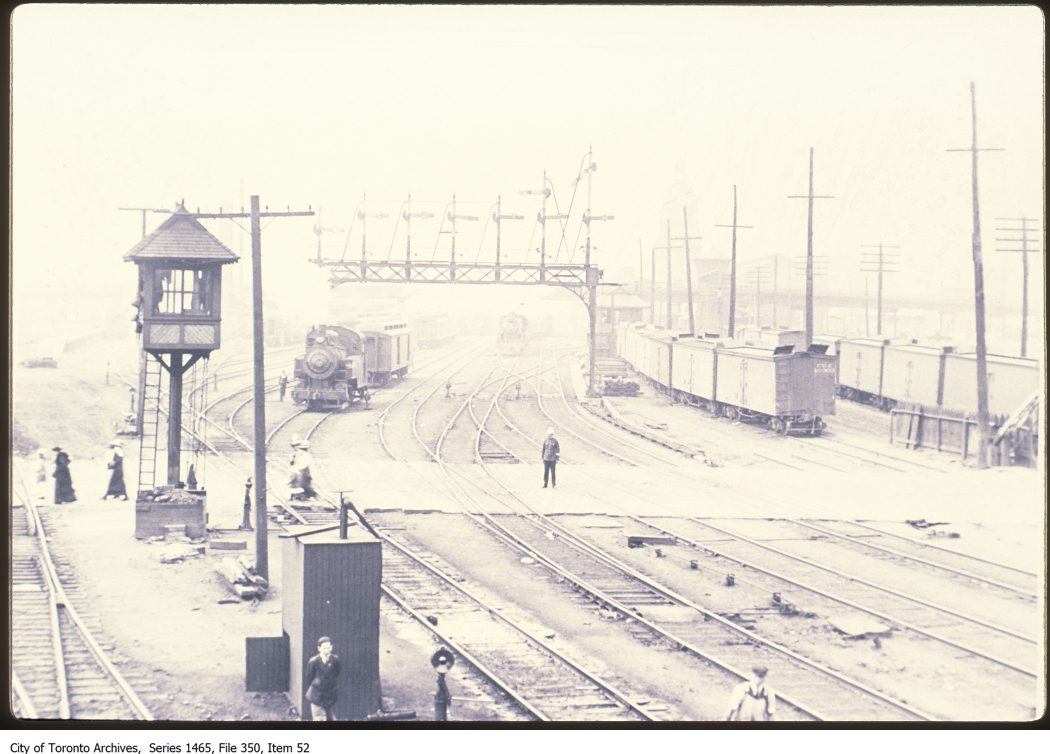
x,y
41,475
322,682
753,700
302,463
116,486
550,453
282,384
64,492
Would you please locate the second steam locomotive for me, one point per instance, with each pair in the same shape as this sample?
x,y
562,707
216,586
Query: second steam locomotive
x,y
339,364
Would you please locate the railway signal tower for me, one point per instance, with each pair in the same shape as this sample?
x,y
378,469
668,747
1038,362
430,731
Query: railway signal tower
x,y
179,313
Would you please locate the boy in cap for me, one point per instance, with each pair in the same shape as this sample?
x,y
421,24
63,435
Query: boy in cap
x,y
322,681
753,700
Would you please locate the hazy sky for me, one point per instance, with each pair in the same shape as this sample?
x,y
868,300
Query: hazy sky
x,y
143,105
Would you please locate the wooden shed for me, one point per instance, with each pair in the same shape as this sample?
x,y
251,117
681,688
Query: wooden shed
x,y
331,587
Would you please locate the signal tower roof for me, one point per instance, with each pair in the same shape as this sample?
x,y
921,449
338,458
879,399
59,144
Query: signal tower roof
x,y
181,237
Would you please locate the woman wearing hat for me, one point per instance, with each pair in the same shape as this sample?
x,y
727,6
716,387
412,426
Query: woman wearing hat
x,y
116,478
64,492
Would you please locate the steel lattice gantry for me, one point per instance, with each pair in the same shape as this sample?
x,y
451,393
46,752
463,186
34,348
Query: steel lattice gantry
x,y
582,279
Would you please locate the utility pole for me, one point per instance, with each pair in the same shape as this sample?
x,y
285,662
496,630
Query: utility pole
x,y
592,279
877,262
1024,251
452,216
407,216
867,316
757,275
776,259
652,287
688,268
732,269
670,295
641,269
498,217
978,284
261,542
809,251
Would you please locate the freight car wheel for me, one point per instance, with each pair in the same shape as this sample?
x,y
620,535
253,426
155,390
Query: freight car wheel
x,y
731,413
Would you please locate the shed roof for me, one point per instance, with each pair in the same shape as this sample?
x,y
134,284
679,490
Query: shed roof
x,y
181,236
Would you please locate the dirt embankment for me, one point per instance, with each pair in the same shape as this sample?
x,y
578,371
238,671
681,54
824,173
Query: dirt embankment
x,y
76,410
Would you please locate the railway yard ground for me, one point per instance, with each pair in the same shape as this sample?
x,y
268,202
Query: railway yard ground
x,y
872,580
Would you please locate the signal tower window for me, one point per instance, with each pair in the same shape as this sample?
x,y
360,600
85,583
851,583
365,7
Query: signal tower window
x,y
181,292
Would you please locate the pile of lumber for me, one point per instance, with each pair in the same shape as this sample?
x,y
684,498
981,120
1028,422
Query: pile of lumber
x,y
239,576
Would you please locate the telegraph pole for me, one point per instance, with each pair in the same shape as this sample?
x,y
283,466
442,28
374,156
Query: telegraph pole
x,y
498,217
688,267
978,284
1024,251
809,251
670,296
877,263
732,269
641,269
652,287
262,563
757,275
776,259
592,279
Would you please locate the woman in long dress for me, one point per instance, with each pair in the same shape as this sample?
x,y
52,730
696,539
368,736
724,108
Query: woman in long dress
x,y
64,492
116,478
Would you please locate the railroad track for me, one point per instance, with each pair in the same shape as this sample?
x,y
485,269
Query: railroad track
x,y
60,670
827,694
1002,651
534,677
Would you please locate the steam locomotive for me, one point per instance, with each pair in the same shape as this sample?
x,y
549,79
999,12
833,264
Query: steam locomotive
x,y
339,363
513,334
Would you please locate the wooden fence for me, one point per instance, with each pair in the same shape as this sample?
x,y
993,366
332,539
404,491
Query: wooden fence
x,y
955,432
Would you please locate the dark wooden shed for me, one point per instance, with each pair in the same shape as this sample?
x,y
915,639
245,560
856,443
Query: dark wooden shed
x,y
331,587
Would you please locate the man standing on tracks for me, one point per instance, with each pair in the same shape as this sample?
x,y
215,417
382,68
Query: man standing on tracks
x,y
322,682
753,700
551,450
282,384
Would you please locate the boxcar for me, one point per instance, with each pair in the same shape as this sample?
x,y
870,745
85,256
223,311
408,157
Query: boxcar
x,y
912,374
693,371
388,352
860,368
1011,381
